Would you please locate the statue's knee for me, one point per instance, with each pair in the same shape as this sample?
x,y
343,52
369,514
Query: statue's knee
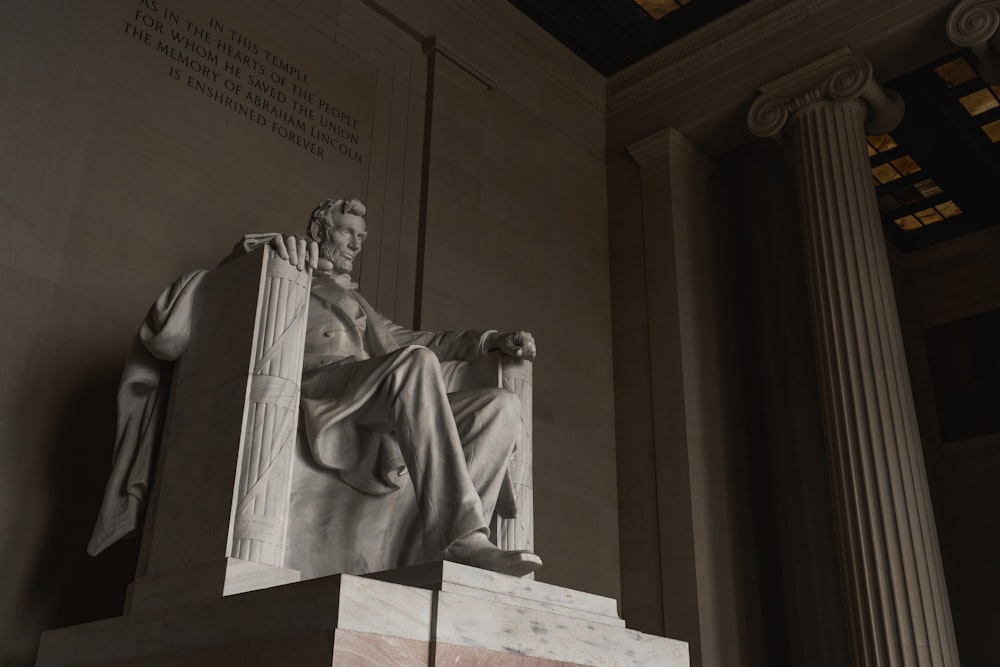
x,y
506,403
421,357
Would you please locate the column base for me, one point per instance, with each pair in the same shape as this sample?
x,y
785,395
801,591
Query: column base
x,y
438,613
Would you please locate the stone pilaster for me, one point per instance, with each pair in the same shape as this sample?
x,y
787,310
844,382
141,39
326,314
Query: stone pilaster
x,y
690,426
973,24
668,164
899,611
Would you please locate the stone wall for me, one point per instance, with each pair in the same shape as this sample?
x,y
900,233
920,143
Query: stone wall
x,y
142,138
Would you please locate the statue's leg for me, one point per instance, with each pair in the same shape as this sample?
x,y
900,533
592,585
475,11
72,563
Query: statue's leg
x,y
487,421
420,415
451,512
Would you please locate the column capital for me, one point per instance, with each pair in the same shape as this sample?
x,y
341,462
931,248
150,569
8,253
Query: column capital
x,y
841,76
973,24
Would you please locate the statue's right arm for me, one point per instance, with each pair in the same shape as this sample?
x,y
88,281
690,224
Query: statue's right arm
x,y
248,244
298,250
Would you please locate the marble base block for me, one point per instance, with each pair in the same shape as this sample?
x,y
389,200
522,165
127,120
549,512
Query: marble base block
x,y
433,614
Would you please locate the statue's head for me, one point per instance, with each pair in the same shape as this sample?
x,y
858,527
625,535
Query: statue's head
x,y
338,226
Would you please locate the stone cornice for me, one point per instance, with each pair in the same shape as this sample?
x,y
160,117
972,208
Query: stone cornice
x,y
719,39
654,148
480,11
841,76
973,24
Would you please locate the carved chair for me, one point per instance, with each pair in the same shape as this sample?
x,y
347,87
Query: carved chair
x,y
234,484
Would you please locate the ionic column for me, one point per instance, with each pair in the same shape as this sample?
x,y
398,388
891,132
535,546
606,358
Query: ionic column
x,y
973,24
899,612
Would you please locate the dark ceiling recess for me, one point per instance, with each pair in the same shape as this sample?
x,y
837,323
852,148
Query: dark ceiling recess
x,y
612,34
952,146
936,175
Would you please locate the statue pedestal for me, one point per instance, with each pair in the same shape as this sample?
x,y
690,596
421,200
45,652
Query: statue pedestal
x,y
439,613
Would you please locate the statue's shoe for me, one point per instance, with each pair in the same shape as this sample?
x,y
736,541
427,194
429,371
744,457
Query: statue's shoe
x,y
476,550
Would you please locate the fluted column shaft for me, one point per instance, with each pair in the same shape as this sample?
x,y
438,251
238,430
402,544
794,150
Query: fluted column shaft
x,y
899,611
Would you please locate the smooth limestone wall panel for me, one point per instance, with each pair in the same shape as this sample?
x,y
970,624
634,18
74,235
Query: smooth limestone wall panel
x,y
128,155
516,238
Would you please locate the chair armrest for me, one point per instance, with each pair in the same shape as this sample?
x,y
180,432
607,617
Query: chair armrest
x,y
482,373
497,370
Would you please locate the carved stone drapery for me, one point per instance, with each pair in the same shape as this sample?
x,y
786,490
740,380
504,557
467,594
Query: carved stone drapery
x,y
898,602
220,519
973,24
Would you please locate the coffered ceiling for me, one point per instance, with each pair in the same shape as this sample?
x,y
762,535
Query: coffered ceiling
x,y
612,34
935,174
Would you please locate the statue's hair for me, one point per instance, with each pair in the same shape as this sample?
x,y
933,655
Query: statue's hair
x,y
329,208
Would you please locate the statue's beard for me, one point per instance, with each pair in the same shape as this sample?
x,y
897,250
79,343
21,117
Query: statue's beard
x,y
342,263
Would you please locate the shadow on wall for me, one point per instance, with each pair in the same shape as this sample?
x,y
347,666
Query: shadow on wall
x,y
68,586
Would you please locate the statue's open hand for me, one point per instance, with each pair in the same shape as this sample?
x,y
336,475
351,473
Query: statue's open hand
x,y
300,252
519,344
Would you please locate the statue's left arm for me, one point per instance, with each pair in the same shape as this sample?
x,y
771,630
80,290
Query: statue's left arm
x,y
520,344
447,345
466,345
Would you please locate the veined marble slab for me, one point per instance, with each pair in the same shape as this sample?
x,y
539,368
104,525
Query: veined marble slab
x,y
473,622
480,609
451,577
447,609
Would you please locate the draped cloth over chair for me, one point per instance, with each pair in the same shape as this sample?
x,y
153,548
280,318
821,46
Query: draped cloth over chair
x,y
238,503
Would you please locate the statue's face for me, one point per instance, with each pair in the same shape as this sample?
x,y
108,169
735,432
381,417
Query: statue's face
x,y
343,242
